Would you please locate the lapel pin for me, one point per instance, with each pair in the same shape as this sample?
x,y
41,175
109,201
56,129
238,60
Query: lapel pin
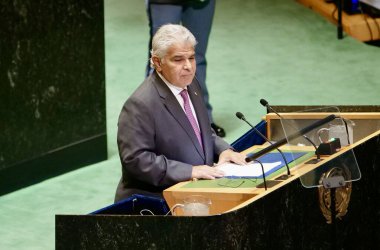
x,y
195,93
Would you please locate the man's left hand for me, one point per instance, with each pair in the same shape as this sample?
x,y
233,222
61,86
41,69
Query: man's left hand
x,y
232,156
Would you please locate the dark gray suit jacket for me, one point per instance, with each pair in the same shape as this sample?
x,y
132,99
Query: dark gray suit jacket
x,y
157,145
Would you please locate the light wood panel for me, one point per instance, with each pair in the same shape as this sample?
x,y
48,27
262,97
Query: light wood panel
x,y
359,26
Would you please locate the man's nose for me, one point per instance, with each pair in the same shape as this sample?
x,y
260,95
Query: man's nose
x,y
187,64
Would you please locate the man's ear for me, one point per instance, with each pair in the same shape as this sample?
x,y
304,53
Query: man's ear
x,y
157,63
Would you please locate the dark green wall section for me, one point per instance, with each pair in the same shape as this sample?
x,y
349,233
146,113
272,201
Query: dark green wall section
x,y
52,89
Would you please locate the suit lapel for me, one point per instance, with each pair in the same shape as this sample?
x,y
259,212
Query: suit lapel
x,y
176,110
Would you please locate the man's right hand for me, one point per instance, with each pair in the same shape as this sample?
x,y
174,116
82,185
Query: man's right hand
x,y
206,172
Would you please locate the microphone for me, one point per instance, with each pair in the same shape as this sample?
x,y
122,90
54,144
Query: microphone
x,y
291,137
265,104
269,108
242,117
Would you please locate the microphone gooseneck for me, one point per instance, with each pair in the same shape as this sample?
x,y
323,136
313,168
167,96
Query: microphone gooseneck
x,y
241,117
266,104
262,170
346,126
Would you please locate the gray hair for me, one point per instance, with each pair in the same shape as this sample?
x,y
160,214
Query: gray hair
x,y
166,36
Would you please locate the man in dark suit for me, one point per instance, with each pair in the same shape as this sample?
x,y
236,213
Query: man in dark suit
x,y
164,133
196,16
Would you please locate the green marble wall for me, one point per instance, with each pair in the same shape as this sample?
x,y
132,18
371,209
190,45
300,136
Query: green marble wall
x,y
52,88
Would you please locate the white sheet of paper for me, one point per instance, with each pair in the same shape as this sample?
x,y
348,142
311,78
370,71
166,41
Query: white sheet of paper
x,y
249,170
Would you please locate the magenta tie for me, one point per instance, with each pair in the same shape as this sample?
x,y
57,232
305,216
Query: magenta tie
x,y
190,115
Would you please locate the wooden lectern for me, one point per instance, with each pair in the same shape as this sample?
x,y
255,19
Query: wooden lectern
x,y
229,199
285,216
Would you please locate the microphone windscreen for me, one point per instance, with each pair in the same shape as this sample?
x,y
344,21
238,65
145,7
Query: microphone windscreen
x,y
263,102
239,115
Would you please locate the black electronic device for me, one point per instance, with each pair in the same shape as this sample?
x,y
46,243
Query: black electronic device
x,y
330,147
350,6
370,7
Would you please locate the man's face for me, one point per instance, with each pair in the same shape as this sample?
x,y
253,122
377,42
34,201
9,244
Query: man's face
x,y
178,66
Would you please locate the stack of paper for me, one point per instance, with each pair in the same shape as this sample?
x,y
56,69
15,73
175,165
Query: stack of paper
x,y
251,170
